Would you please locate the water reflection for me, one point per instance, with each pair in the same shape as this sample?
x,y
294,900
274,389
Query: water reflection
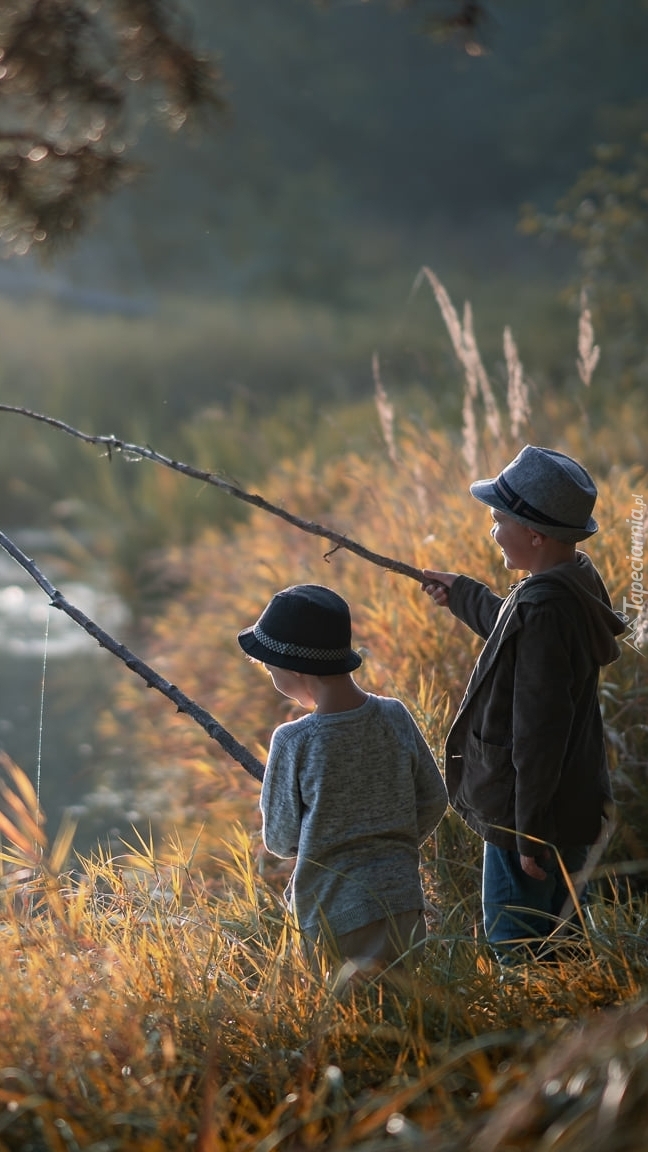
x,y
78,678
25,615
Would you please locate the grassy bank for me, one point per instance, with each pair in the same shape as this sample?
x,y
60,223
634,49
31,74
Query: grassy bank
x,y
147,1007
154,994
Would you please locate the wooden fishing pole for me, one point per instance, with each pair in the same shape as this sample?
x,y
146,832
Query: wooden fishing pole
x,y
152,679
114,445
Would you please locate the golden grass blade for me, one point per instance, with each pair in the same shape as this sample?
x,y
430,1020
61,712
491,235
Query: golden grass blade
x,y
63,842
21,782
473,360
30,822
517,396
446,308
464,343
588,352
470,437
23,841
385,410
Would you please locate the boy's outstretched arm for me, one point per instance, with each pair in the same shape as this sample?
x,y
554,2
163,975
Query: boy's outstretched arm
x,y
438,585
472,602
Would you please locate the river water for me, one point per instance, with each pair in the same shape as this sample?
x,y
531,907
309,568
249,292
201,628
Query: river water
x,y
54,681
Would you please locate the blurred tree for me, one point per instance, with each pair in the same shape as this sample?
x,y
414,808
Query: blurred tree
x,y
68,109
348,137
465,21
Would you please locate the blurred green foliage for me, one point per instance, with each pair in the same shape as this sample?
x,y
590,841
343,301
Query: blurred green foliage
x,y
231,389
605,217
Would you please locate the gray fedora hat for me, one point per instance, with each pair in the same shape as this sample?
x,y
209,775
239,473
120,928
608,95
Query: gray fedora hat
x,y
305,628
545,490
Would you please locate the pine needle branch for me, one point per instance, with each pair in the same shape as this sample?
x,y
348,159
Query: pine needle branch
x,y
153,680
114,445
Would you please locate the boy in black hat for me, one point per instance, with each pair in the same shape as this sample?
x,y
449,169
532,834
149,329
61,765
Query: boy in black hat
x,y
526,764
351,789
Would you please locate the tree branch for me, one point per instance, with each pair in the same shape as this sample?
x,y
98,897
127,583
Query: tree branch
x,y
113,444
211,726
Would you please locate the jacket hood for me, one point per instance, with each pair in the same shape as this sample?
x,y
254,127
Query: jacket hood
x,y
584,581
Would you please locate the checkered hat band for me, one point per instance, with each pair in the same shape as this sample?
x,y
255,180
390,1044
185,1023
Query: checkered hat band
x,y
285,648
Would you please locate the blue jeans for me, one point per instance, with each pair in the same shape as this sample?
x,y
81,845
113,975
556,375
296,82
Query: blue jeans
x,y
520,912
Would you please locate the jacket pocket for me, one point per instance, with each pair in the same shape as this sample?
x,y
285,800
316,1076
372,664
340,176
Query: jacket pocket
x,y
488,782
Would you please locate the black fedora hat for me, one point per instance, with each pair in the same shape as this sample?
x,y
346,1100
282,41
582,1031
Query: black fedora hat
x,y
305,628
545,490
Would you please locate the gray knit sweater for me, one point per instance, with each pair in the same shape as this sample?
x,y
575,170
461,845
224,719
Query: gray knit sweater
x,y
352,795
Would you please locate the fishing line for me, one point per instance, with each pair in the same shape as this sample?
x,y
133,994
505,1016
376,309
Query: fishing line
x,y
39,757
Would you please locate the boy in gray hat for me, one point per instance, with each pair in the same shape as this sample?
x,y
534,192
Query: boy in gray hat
x,y
351,789
525,759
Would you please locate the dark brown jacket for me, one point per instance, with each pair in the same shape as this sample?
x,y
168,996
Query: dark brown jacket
x,y
526,754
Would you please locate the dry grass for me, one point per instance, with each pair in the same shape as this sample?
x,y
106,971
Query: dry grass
x,y
155,997
146,1007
